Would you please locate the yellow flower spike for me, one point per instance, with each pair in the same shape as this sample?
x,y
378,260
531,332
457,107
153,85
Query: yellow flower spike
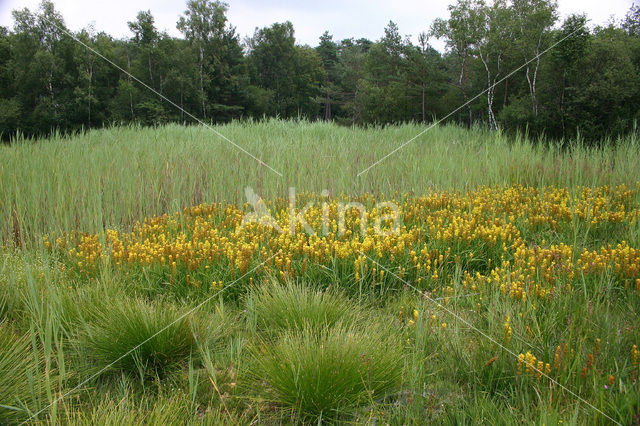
x,y
415,314
521,361
539,369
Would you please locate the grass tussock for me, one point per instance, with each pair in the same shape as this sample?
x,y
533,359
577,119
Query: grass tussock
x,y
277,307
327,373
138,337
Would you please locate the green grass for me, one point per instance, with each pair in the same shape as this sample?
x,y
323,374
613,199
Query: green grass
x,y
326,348
128,173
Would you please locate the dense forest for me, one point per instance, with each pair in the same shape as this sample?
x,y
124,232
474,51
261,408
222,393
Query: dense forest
x,y
587,84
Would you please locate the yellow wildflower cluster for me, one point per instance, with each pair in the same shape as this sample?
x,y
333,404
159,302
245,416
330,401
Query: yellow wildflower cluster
x,y
488,234
624,261
529,365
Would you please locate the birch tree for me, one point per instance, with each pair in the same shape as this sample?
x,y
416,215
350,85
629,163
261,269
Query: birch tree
x,y
533,21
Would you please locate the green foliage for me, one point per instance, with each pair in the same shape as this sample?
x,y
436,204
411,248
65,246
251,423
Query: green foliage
x,y
293,73
49,82
323,374
219,71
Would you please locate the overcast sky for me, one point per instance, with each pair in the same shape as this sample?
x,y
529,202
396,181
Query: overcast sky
x,y
342,18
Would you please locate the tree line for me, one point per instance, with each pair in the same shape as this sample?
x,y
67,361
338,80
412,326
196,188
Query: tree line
x,y
508,64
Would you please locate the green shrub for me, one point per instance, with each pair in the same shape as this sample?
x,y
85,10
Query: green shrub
x,y
327,373
276,307
136,336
